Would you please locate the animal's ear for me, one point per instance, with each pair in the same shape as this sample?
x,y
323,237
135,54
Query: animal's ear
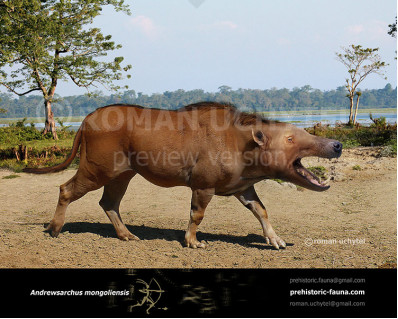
x,y
260,138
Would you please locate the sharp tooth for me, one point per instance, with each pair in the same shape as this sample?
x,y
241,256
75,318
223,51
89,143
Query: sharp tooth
x,y
326,182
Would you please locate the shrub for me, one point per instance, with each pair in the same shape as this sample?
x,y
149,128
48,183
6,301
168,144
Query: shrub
x,y
15,135
376,135
389,150
379,123
14,146
18,133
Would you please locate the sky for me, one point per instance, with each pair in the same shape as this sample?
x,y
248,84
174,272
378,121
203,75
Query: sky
x,y
255,44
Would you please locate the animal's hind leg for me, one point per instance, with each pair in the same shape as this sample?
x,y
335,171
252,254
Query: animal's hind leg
x,y
110,201
75,188
200,200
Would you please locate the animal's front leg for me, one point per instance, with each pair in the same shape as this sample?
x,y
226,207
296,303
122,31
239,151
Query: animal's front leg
x,y
251,201
200,199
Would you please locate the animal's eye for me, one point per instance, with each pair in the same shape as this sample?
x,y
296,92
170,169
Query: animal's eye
x,y
290,139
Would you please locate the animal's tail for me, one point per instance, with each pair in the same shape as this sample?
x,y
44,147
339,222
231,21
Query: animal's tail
x,y
62,166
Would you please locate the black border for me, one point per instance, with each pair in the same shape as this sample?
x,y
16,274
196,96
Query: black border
x,y
222,293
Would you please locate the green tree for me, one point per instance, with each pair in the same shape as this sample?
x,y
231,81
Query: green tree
x,y
360,63
224,89
42,42
393,29
2,111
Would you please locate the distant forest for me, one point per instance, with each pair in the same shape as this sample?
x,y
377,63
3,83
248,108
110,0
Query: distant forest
x,y
304,98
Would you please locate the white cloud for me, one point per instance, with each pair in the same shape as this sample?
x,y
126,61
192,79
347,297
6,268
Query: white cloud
x,y
145,25
370,31
219,25
355,29
226,25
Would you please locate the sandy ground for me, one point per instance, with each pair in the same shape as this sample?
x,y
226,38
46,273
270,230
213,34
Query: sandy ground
x,y
353,224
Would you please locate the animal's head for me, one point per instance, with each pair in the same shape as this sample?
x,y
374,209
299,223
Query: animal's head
x,y
284,145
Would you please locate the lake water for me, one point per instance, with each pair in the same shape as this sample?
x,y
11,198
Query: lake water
x,y
311,120
297,119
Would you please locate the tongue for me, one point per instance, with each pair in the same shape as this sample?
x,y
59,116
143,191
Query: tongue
x,y
313,179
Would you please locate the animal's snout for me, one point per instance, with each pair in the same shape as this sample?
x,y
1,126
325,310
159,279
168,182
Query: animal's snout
x,y
338,147
332,149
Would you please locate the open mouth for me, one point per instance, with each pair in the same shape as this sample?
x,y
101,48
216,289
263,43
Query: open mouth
x,y
309,176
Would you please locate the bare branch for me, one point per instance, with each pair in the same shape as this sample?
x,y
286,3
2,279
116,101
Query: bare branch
x,y
19,94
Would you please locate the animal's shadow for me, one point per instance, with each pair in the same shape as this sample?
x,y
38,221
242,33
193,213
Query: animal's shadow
x,y
151,233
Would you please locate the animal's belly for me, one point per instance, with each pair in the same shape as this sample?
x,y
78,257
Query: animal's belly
x,y
162,182
162,176
238,186
232,190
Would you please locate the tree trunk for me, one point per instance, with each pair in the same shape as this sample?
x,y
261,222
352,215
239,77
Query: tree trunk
x,y
356,110
351,110
50,122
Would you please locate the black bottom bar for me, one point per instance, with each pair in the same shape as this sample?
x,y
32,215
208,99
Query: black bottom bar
x,y
199,293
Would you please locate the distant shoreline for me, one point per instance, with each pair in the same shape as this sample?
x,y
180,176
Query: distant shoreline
x,y
267,114
324,112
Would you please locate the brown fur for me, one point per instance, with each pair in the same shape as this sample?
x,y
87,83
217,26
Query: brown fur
x,y
210,147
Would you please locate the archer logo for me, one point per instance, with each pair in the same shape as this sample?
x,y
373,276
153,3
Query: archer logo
x,y
150,295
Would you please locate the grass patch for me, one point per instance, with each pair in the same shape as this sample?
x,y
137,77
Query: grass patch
x,y
12,176
357,168
13,165
319,171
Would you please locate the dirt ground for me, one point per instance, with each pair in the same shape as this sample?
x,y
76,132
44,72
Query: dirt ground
x,y
352,225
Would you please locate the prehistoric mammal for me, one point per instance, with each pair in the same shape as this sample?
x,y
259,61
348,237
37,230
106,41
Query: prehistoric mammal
x,y
212,148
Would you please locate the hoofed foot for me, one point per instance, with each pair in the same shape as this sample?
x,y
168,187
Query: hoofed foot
x,y
127,236
275,241
54,229
194,243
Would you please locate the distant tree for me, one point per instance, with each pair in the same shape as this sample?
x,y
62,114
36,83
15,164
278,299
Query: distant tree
x,y
360,63
224,89
245,99
43,42
2,111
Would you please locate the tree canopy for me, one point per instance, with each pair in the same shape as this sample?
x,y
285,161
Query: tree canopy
x,y
42,42
393,29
